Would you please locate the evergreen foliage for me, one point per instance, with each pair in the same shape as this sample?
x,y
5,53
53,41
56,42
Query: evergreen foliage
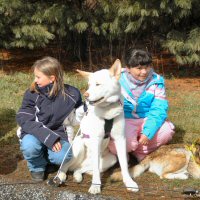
x,y
82,26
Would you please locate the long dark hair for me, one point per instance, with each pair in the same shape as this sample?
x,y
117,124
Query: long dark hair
x,y
134,57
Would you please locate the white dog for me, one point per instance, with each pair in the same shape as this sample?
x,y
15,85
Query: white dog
x,y
104,94
82,149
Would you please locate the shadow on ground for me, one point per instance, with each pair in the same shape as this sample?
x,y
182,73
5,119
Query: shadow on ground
x,y
178,137
9,158
7,122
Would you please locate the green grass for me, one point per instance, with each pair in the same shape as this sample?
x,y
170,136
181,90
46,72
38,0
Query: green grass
x,y
184,113
184,106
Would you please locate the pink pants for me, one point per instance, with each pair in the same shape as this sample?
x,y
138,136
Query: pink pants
x,y
133,129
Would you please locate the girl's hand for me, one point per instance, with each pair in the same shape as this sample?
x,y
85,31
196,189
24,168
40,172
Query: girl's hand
x,y
143,139
57,146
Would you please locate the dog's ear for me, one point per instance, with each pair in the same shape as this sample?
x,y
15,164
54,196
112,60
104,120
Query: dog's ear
x,y
115,69
84,73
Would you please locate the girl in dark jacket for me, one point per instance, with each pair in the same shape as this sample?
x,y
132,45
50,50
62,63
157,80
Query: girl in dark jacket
x,y
45,106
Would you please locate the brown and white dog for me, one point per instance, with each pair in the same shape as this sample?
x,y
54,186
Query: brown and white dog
x,y
170,162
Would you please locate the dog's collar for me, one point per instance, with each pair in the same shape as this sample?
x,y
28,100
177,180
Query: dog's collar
x,y
192,149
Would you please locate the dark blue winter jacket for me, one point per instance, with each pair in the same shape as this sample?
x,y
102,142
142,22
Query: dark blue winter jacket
x,y
43,116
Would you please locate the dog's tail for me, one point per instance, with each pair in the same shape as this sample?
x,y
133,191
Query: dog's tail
x,y
134,171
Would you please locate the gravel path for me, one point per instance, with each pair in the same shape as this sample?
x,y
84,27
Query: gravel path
x,y
27,191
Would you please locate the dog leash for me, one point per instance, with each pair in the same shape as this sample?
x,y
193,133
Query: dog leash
x,y
56,180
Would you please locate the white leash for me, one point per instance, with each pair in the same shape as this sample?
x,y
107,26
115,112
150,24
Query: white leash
x,y
67,153
71,144
85,112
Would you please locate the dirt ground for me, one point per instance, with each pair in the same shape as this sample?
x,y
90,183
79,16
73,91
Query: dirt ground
x,y
14,169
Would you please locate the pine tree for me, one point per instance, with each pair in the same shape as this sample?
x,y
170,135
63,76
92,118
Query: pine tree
x,y
19,28
184,39
82,26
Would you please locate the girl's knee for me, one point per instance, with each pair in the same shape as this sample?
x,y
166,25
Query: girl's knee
x,y
58,160
66,151
165,133
63,156
130,146
31,147
31,152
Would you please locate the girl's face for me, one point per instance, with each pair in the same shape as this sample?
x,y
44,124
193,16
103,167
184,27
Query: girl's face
x,y
140,72
41,79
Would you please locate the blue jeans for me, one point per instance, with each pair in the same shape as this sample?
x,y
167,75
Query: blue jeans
x,y
38,155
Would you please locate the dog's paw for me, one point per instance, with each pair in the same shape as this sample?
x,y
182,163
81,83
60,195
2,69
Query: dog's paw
x,y
182,176
95,189
116,176
54,182
62,176
77,177
132,186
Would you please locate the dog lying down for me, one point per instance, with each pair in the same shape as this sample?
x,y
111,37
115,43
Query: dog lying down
x,y
170,162
91,154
